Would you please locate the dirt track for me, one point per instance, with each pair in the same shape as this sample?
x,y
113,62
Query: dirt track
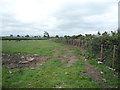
x,y
31,60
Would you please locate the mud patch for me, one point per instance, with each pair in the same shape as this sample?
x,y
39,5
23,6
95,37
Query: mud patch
x,y
23,60
68,58
91,71
71,60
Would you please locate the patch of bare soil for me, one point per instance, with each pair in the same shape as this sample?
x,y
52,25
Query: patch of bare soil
x,y
23,60
71,60
91,71
68,57
56,53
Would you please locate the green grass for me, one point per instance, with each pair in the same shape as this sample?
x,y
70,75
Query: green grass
x,y
52,74
110,76
42,47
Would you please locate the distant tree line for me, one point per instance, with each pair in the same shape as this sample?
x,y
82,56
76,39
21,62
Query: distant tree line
x,y
25,36
45,35
100,38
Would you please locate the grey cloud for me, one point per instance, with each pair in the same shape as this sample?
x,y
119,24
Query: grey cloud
x,y
81,9
72,15
12,26
69,20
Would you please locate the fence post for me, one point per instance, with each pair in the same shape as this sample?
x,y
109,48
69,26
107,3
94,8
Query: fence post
x,y
72,42
113,55
101,52
80,43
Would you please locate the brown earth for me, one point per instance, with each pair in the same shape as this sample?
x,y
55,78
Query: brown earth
x,y
68,56
91,71
23,60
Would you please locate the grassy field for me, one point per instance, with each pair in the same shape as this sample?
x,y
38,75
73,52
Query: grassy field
x,y
64,70
42,47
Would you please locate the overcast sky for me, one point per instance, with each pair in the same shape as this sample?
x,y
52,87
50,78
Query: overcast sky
x,y
57,17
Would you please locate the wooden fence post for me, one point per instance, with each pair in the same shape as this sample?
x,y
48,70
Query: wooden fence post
x,y
113,55
80,43
72,41
101,52
87,43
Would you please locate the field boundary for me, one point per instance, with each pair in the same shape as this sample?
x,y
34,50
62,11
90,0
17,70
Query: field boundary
x,y
102,55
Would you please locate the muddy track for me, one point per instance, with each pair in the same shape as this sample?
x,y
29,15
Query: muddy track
x,y
67,57
70,58
92,71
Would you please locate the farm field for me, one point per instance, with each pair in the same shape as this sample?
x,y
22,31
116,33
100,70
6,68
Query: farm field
x,y
47,64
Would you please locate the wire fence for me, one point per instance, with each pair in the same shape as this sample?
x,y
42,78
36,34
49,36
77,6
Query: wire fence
x,y
107,54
